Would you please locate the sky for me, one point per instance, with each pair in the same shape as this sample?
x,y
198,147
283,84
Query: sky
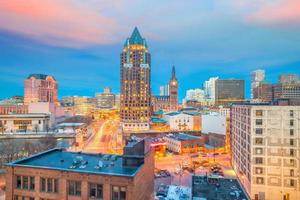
x,y
79,42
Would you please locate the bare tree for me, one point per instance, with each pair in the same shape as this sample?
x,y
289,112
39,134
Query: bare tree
x,y
36,128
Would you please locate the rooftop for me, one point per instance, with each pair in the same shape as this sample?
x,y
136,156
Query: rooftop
x,y
204,187
38,76
183,137
174,192
59,159
135,38
172,113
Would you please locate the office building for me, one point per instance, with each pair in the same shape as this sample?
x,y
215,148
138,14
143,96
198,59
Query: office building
x,y
288,78
197,95
60,175
257,77
40,88
263,92
229,91
168,102
209,88
179,121
135,102
106,99
265,150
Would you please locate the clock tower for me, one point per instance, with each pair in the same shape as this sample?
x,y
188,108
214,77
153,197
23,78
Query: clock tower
x,y
173,91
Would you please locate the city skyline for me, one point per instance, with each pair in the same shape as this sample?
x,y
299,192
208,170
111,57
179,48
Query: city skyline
x,y
243,41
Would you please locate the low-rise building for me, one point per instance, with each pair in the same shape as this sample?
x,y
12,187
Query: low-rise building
x,y
184,143
60,175
213,123
179,121
174,192
30,122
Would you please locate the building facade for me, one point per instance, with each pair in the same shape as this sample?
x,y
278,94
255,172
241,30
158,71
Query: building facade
x,y
257,77
184,143
135,73
229,91
105,99
167,102
61,175
265,150
178,121
40,88
263,92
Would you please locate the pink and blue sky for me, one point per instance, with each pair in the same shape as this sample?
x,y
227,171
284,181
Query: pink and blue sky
x,y
79,42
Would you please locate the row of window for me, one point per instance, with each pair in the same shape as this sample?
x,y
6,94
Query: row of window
x,y
51,185
259,122
259,131
259,113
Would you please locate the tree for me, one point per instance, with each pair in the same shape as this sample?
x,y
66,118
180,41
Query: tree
x,y
36,128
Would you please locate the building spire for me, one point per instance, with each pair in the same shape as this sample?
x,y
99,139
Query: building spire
x,y
173,73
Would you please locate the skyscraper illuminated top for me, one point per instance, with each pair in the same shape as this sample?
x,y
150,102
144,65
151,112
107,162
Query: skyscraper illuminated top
x,y
135,110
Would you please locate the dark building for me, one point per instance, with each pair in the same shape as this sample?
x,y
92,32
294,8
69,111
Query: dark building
x,y
229,91
135,98
167,102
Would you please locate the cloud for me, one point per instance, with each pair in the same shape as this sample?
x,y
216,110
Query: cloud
x,y
283,12
57,22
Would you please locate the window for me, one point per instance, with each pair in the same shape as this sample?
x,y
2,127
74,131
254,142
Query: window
x,y
32,183
291,142
25,183
259,150
291,113
291,152
259,113
19,182
291,122
259,170
292,172
259,131
258,160
260,180
75,188
258,121
291,132
118,193
292,182
49,185
96,191
258,141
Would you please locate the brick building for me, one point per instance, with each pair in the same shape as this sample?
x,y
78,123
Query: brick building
x,y
57,174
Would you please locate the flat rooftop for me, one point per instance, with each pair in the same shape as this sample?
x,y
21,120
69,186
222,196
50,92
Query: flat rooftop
x,y
183,137
217,188
59,159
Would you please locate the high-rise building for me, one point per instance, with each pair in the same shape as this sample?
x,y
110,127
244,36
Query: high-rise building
x,y
209,88
168,102
105,99
40,88
194,95
263,92
265,150
229,91
257,77
135,111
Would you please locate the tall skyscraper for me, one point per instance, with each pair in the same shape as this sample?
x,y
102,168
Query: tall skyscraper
x,y
265,150
173,88
40,88
135,105
257,77
209,88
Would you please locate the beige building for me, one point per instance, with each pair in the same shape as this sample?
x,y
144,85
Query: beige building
x,y
265,150
61,175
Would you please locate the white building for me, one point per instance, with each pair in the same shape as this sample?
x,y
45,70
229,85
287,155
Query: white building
x,y
265,150
209,88
213,123
179,121
31,122
195,95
